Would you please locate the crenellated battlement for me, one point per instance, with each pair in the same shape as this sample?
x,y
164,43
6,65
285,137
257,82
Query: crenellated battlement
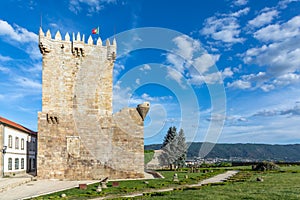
x,y
77,46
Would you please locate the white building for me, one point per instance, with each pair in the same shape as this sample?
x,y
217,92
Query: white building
x,y
19,145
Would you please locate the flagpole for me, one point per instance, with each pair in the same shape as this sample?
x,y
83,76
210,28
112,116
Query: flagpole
x,y
41,20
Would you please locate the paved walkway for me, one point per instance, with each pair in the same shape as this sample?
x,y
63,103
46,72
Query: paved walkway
x,y
8,183
36,188
23,187
216,179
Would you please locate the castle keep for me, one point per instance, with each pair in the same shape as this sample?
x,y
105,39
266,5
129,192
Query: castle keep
x,y
79,136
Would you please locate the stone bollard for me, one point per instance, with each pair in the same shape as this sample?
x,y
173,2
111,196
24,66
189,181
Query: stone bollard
x,y
99,188
103,184
259,179
175,178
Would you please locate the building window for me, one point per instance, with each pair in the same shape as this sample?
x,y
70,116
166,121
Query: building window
x,y
9,141
9,163
22,144
16,163
17,143
22,163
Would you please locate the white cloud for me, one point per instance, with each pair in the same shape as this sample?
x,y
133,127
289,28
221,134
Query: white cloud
x,y
225,27
16,33
283,3
265,82
76,6
227,72
118,68
21,38
36,68
5,58
121,96
145,67
263,19
279,32
287,79
267,87
205,61
254,77
182,56
193,64
158,99
138,81
28,83
33,51
240,84
229,118
240,2
241,12
175,75
4,69
186,46
292,111
210,78
177,62
280,57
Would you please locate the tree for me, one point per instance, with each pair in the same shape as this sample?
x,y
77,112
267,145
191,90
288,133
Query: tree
x,y
171,134
181,149
174,149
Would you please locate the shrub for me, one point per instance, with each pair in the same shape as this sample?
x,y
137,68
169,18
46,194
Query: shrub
x,y
265,166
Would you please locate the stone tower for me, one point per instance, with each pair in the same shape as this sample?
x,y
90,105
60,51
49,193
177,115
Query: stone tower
x,y
79,136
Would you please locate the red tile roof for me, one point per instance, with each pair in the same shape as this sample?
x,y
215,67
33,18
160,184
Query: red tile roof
x,y
16,126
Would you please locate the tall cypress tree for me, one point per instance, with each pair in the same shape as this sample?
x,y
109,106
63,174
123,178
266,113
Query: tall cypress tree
x,y
171,134
174,148
181,149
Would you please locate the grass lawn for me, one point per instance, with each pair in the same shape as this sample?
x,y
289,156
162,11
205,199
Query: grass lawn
x,y
148,155
283,185
134,186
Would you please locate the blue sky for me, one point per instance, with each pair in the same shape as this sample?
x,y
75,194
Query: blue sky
x,y
224,71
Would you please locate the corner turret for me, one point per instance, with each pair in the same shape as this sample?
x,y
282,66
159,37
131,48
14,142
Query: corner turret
x,y
143,109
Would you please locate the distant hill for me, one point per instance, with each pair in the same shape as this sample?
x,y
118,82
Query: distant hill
x,y
290,153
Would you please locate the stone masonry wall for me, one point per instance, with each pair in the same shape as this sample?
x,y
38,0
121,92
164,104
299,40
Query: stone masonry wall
x,y
79,137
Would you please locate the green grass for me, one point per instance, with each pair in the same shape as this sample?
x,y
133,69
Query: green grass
x,y
283,184
291,168
148,155
133,186
276,185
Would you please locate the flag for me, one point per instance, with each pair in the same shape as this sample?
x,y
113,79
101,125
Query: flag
x,y
95,30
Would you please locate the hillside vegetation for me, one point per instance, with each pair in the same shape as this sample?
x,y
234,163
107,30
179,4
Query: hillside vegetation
x,y
288,153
